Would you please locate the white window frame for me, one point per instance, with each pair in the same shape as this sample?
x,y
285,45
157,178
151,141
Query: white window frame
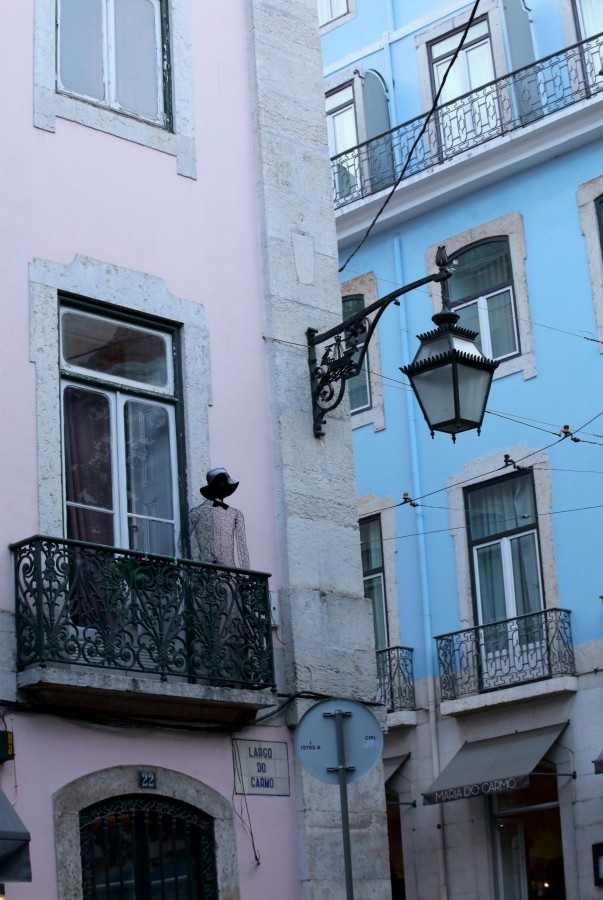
x,y
510,226
587,196
52,103
110,64
374,414
484,315
436,32
363,375
113,286
119,452
480,470
329,21
505,541
370,506
379,575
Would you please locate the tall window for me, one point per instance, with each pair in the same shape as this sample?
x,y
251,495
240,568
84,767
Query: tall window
x,y
481,291
331,9
473,68
343,136
359,390
503,534
140,848
119,432
115,53
599,206
371,548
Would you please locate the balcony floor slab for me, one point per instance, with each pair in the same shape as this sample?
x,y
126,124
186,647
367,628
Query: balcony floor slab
x,y
106,694
564,684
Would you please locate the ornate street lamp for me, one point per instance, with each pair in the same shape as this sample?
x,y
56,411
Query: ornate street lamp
x,y
449,375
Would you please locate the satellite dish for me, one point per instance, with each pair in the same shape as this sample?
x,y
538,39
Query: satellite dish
x,y
316,740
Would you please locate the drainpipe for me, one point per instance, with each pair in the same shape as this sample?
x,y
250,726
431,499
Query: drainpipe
x,y
389,74
425,592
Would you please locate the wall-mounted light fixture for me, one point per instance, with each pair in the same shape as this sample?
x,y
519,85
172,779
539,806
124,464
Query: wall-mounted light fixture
x,y
449,375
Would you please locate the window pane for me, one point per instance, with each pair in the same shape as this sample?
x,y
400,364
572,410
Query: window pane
x,y
114,349
479,270
81,47
370,545
149,478
469,318
502,324
87,439
526,575
448,45
491,583
358,389
590,13
137,57
501,507
343,130
373,590
479,65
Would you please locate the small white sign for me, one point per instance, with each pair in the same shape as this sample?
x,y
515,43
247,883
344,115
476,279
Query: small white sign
x,y
261,767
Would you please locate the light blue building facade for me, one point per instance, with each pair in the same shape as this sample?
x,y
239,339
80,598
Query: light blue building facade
x,y
482,556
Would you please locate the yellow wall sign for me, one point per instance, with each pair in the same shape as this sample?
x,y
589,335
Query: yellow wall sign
x,y
261,767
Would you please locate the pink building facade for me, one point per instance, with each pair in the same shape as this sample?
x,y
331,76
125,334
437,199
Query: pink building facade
x,y
167,238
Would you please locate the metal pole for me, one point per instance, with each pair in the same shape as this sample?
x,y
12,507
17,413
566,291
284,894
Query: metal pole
x,y
342,772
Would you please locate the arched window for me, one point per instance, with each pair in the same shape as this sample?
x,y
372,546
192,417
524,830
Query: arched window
x,y
481,291
140,847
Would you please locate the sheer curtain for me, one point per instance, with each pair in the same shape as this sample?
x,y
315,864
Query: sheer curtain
x,y
590,14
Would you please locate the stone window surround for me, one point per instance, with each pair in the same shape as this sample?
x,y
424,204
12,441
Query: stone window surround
x,y
368,506
120,780
510,226
335,23
485,469
587,195
50,105
129,291
367,284
441,29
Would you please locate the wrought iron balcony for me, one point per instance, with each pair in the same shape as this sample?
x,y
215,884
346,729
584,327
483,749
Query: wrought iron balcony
x,y
80,604
495,109
506,653
396,683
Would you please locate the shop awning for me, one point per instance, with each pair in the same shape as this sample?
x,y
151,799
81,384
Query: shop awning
x,y
14,844
492,766
598,763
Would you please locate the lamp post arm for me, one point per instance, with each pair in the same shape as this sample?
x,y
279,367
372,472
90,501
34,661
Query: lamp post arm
x,y
343,358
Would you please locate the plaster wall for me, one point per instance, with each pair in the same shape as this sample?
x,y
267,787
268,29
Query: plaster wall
x,y
52,753
81,191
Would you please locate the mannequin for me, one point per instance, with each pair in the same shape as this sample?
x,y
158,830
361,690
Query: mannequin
x,y
217,530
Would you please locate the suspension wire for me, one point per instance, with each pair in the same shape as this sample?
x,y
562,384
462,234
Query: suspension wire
x,y
418,137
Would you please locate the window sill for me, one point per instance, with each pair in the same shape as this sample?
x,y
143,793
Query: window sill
x,y
51,105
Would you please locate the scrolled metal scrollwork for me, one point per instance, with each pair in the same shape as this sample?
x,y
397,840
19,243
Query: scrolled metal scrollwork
x,y
499,655
82,604
490,111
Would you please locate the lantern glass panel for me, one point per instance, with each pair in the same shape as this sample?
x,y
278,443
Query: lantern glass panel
x,y
473,385
435,390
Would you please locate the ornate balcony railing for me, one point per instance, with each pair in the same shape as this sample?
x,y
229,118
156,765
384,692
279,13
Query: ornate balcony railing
x,y
504,654
497,108
83,604
396,683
